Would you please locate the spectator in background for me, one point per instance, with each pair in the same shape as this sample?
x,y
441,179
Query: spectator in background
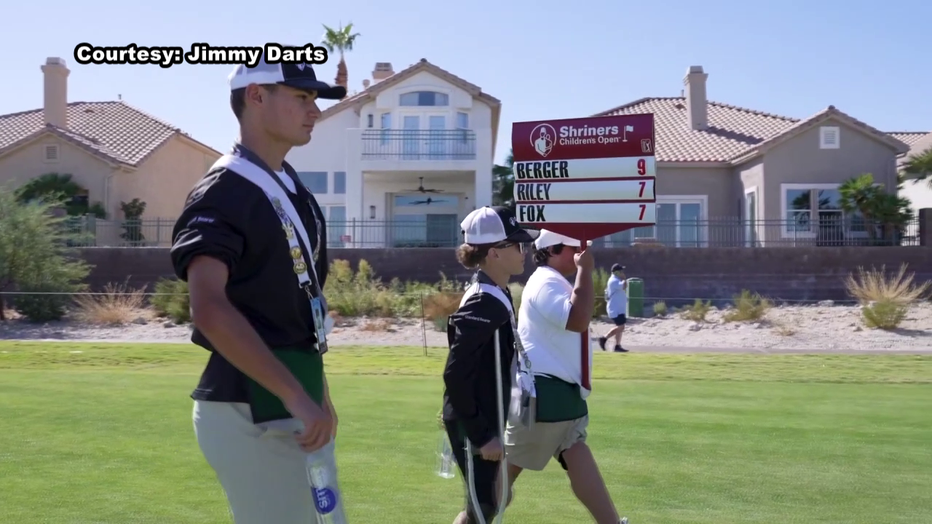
x,y
616,305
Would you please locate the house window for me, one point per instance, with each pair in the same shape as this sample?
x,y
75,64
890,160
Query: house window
x,y
50,153
462,124
369,120
339,183
681,222
814,210
425,220
829,137
424,98
336,226
386,122
315,181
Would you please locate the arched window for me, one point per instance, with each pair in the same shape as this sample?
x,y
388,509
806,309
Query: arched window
x,y
424,98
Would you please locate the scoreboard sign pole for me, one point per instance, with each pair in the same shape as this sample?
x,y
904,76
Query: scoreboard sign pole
x,y
585,178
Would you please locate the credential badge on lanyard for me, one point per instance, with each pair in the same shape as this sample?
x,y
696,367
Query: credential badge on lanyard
x,y
524,378
277,194
300,268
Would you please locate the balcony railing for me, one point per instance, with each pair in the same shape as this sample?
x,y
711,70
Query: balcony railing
x,y
419,145
719,232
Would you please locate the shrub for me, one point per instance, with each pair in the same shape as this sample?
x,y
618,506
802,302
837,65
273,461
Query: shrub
x,y
875,286
748,306
43,302
884,314
119,304
357,294
172,300
35,258
441,304
660,308
697,311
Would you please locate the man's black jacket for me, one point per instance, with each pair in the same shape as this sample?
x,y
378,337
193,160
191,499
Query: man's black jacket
x,y
469,398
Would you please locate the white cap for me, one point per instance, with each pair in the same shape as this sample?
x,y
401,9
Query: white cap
x,y
490,225
299,76
548,238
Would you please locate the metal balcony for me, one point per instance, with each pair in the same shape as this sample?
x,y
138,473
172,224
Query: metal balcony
x,y
419,145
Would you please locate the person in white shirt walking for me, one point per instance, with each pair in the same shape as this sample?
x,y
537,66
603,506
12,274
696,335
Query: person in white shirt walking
x,y
616,305
553,316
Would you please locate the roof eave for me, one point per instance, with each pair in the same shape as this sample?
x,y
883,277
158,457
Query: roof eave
x,y
109,160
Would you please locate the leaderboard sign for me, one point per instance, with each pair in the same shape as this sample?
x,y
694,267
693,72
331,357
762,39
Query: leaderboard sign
x,y
587,177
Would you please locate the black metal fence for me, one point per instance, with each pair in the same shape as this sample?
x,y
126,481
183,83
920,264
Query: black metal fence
x,y
404,144
720,232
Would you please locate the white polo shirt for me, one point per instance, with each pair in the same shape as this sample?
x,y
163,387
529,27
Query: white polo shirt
x,y
545,307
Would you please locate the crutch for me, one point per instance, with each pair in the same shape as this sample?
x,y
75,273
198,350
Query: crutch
x,y
503,471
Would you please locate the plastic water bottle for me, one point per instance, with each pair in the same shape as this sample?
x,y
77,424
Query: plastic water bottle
x,y
446,463
325,490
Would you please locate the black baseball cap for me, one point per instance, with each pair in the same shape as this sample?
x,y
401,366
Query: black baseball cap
x,y
494,224
617,267
298,76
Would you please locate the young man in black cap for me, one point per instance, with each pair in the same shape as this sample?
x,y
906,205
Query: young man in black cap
x,y
616,305
474,411
251,244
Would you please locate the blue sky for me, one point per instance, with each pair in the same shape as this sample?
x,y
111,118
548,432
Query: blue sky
x,y
544,59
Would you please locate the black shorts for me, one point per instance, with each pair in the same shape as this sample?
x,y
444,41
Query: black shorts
x,y
484,476
620,320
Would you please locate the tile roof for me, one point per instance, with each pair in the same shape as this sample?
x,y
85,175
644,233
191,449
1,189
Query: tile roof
x,y
114,130
909,137
732,133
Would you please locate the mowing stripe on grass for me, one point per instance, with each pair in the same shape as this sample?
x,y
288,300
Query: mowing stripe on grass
x,y
411,361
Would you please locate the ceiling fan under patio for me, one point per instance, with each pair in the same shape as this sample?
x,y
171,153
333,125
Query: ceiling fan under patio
x,y
420,188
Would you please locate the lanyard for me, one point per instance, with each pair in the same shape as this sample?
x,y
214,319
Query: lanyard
x,y
524,362
277,194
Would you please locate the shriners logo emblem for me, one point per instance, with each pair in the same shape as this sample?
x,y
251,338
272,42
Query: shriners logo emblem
x,y
542,139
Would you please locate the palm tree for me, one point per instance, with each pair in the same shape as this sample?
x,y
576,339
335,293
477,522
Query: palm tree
x,y
340,40
920,165
503,182
877,207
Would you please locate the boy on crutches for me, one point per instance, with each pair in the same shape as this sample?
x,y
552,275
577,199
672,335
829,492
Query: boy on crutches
x,y
481,362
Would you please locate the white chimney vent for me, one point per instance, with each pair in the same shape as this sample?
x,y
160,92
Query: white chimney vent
x,y
56,92
697,111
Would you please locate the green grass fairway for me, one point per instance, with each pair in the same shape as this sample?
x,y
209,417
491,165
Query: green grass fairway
x,y
101,433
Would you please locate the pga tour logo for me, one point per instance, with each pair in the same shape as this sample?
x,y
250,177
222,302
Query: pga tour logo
x,y
542,139
325,500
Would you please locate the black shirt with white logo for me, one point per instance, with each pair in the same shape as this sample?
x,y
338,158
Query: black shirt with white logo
x,y
229,218
469,397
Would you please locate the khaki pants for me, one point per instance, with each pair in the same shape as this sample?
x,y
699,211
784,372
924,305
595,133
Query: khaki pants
x,y
260,467
533,448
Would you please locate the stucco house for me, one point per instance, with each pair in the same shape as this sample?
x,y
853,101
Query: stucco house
x,y
116,152
401,162
732,176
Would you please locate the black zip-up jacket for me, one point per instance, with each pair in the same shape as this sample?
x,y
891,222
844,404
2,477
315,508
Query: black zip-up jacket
x,y
228,218
469,397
